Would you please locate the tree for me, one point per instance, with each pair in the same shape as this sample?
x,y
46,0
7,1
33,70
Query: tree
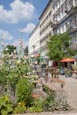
x,y
9,49
58,47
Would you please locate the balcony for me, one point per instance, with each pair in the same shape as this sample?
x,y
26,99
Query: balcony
x,y
73,46
71,7
54,24
72,29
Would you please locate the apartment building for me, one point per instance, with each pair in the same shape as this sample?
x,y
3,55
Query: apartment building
x,y
64,17
45,28
57,17
34,42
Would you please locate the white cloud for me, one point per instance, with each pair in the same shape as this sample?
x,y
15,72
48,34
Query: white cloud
x,y
29,28
5,34
19,10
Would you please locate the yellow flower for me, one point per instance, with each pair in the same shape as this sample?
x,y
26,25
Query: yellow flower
x,y
21,103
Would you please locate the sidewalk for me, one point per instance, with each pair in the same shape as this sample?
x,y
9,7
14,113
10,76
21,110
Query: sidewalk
x,y
70,88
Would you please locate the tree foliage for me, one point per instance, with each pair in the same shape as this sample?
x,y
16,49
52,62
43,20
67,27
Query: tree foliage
x,y
9,49
58,47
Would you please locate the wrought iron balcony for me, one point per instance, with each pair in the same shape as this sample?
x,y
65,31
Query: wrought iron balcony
x,y
54,23
72,29
73,46
71,7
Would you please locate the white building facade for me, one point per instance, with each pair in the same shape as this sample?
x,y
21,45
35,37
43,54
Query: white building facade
x,y
34,42
45,28
64,18
58,16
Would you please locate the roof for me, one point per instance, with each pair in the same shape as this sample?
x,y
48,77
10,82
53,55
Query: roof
x,y
45,8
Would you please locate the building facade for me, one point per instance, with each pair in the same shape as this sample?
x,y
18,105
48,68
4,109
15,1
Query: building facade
x,y
34,42
45,28
64,18
58,16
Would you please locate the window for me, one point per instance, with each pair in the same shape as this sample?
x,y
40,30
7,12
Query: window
x,y
76,21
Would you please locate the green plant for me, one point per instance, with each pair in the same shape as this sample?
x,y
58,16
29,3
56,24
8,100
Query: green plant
x,y
60,47
37,106
48,91
5,106
61,102
20,108
68,72
10,73
57,102
48,104
24,91
74,67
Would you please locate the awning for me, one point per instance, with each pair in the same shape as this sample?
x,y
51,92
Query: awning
x,y
67,60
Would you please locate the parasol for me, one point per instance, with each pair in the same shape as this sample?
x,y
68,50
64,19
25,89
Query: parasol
x,y
67,60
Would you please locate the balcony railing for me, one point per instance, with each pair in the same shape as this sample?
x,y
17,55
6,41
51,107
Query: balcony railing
x,y
72,29
54,23
71,6
73,46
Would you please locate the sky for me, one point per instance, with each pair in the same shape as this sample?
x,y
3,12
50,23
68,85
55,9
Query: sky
x,y
17,16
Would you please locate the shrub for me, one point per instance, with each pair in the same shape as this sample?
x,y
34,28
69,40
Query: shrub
x,y
48,91
55,102
20,108
5,106
48,104
61,102
24,91
37,106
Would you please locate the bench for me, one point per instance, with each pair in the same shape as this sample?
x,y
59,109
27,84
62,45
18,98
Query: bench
x,y
53,71
58,81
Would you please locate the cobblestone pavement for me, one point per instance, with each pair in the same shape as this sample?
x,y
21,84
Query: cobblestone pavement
x,y
71,90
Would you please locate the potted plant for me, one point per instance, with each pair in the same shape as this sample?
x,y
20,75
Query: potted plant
x,y
68,72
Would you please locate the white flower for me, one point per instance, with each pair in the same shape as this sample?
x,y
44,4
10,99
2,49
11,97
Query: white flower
x,y
14,51
6,49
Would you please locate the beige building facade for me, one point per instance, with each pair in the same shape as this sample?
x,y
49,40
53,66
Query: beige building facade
x,y
34,42
45,28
